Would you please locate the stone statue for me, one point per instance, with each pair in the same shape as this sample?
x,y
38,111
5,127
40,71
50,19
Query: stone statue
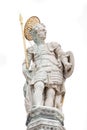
x,y
49,67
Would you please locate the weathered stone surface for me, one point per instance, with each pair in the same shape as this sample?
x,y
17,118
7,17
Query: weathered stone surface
x,y
44,90
45,118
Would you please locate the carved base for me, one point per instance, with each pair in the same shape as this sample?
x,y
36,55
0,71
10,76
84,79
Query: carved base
x,y
45,118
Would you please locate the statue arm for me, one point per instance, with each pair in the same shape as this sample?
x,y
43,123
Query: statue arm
x,y
60,54
25,70
63,58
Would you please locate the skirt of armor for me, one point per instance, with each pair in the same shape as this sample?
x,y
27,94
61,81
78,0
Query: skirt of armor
x,y
51,79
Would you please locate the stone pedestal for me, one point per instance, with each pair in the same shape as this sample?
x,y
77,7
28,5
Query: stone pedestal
x,y
45,118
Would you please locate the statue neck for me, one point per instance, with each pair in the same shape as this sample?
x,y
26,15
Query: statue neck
x,y
39,42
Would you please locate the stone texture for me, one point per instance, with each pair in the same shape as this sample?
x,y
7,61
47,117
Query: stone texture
x,y
51,67
45,118
44,89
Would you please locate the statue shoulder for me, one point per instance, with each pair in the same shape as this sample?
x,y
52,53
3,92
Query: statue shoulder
x,y
53,45
31,49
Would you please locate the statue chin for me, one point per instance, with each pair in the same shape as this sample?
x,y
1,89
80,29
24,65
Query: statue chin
x,y
43,37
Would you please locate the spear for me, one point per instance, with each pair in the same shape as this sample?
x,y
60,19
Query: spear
x,y
24,43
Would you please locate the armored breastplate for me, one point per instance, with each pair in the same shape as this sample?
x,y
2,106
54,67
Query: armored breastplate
x,y
43,57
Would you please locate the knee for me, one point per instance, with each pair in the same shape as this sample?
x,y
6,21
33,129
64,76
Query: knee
x,y
39,86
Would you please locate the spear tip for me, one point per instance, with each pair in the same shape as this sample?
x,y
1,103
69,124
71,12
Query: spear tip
x,y
20,18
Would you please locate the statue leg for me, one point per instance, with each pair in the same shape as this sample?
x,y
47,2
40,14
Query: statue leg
x,y
58,101
38,93
50,94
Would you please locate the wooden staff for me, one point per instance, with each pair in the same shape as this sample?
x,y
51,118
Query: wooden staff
x,y
24,44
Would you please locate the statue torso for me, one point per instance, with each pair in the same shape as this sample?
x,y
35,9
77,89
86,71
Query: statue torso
x,y
47,66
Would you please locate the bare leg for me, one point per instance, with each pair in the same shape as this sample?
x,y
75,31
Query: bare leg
x,y
50,97
38,93
58,102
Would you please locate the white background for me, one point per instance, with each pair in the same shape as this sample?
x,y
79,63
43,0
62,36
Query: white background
x,y
66,23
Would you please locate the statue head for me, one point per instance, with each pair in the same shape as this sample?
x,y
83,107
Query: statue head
x,y
38,33
34,30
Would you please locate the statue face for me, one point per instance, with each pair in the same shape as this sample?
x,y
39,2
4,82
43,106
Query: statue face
x,y
39,33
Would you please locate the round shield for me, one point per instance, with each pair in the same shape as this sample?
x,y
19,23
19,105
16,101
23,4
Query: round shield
x,y
70,58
